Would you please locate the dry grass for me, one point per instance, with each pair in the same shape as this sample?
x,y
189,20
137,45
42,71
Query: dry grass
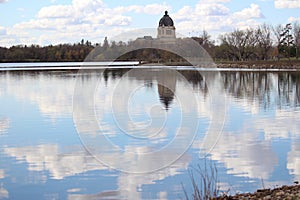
x,y
205,183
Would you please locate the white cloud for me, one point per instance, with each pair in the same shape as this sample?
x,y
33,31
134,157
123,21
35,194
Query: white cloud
x,y
242,25
184,14
2,31
211,9
249,13
215,16
94,19
213,1
294,19
56,11
155,9
90,19
287,3
92,12
69,23
3,1
151,9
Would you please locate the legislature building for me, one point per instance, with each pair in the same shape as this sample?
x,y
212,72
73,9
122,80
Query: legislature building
x,y
166,28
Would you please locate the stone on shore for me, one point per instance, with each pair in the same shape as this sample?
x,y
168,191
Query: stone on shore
x,y
284,192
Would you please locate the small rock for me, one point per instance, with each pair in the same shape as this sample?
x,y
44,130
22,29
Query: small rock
x,y
263,190
280,193
267,197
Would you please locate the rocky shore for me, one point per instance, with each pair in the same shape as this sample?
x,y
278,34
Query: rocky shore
x,y
284,65
281,193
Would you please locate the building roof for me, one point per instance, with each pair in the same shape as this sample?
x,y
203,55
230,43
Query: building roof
x,y
166,20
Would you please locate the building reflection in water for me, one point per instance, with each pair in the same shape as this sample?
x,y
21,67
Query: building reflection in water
x,y
166,87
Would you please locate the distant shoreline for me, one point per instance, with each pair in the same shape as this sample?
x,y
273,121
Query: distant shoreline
x,y
267,64
280,64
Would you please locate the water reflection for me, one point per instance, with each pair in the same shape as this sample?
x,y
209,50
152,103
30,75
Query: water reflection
x,y
140,132
64,164
47,157
268,89
293,160
166,95
260,138
4,125
51,92
3,193
245,155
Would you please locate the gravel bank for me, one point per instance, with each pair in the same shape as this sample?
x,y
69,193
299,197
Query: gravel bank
x,y
284,192
261,65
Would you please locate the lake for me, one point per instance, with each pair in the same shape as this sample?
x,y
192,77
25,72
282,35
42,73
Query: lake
x,y
135,133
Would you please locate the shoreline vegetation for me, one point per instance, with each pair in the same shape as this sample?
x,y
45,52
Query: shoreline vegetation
x,y
266,64
206,186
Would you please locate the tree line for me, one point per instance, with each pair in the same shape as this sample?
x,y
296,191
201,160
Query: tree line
x,y
264,42
61,52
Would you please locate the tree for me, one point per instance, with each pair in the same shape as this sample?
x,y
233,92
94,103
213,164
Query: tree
x,y
205,42
105,44
277,32
264,41
297,38
286,40
239,44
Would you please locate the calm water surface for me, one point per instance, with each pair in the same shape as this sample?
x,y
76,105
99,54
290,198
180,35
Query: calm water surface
x,y
64,137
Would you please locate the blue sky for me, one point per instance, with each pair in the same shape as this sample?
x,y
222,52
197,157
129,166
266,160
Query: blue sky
x,y
66,21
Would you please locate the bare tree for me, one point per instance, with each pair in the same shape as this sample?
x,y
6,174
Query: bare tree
x,y
264,41
296,32
203,39
206,37
240,44
277,30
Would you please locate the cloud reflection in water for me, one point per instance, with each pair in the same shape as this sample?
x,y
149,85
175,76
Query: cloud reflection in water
x,y
266,105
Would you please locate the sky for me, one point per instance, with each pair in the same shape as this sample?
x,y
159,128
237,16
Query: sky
x,y
45,22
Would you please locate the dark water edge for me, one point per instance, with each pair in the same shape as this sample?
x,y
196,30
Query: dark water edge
x,y
267,64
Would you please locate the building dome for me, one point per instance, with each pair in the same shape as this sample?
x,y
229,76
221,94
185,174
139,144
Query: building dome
x,y
166,28
166,20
